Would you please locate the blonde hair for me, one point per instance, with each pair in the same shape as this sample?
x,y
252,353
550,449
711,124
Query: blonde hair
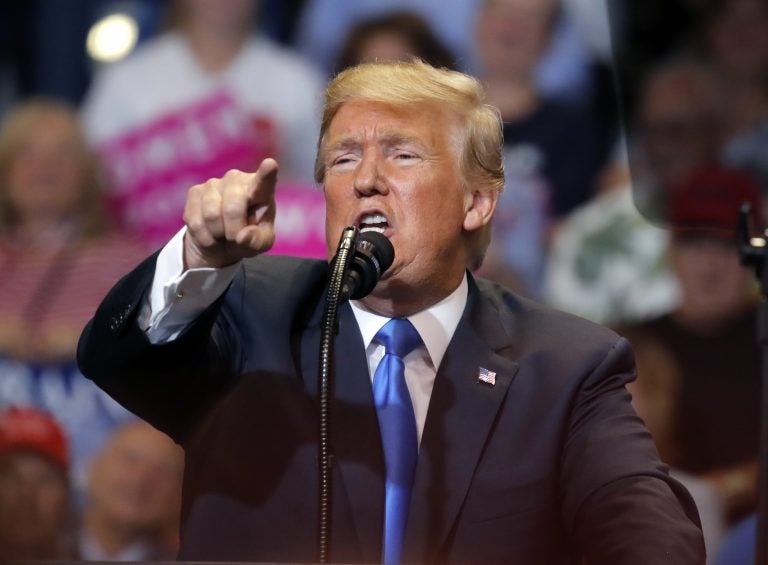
x,y
23,120
412,82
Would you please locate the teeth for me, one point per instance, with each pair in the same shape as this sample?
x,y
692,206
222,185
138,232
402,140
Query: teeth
x,y
373,222
373,219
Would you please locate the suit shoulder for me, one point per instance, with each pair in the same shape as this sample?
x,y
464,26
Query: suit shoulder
x,y
534,325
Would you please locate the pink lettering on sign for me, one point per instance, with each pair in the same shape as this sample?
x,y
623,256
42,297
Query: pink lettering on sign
x,y
300,222
152,166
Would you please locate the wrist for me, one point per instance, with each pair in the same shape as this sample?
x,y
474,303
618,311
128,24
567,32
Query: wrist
x,y
196,258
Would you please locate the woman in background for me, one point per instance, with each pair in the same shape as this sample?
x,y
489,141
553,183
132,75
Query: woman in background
x,y
58,258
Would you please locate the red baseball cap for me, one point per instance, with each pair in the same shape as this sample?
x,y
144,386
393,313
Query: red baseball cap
x,y
24,427
709,200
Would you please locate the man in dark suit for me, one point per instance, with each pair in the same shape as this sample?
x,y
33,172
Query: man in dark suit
x,y
528,448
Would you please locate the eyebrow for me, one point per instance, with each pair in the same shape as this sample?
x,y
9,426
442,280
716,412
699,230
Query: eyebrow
x,y
386,138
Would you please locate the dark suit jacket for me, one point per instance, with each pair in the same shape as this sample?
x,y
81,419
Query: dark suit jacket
x,y
549,465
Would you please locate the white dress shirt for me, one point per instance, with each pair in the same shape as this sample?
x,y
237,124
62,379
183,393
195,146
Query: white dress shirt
x,y
177,297
435,325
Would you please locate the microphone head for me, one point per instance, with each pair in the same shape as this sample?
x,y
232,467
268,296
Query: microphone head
x,y
378,247
373,255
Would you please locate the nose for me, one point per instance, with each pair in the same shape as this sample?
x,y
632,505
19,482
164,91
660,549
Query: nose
x,y
368,178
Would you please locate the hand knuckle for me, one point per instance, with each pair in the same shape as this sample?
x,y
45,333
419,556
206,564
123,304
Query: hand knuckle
x,y
211,214
194,225
232,209
233,174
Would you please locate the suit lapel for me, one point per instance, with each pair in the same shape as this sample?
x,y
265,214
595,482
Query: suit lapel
x,y
461,413
354,426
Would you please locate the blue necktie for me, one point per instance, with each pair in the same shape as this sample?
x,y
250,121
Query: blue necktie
x,y
398,431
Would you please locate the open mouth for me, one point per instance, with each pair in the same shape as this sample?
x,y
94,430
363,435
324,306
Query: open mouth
x,y
373,222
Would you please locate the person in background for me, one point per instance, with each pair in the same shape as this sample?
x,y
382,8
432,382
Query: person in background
x,y
679,126
36,519
734,35
132,508
606,261
563,72
324,25
206,96
551,149
734,39
608,258
58,257
394,36
711,338
54,235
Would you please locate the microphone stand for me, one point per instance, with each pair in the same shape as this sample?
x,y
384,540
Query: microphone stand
x,y
330,328
753,252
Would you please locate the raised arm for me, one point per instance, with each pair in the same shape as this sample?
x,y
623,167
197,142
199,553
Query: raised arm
x,y
171,383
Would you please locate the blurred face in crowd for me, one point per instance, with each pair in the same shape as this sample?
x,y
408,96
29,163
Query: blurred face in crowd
x,y
713,284
46,176
512,35
738,38
135,482
219,15
34,504
397,167
679,126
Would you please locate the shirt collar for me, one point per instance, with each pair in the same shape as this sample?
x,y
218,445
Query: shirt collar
x,y
435,324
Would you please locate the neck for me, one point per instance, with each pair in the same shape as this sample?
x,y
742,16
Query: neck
x,y
514,98
696,321
215,49
396,299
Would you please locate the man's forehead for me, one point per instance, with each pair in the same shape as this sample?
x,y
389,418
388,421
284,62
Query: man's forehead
x,y
360,119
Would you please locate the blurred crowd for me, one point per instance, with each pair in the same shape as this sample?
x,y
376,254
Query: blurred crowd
x,y
633,132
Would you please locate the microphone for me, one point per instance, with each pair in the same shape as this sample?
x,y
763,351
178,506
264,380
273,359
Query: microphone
x,y
373,256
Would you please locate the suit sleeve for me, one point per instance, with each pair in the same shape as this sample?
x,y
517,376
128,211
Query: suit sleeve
x,y
168,385
619,503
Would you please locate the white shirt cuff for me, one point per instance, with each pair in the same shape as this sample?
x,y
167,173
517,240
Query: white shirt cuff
x,y
177,297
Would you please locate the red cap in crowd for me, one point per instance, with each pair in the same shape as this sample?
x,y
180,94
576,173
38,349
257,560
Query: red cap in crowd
x,y
708,202
33,430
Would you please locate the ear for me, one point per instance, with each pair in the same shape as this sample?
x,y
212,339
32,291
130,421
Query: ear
x,y
479,205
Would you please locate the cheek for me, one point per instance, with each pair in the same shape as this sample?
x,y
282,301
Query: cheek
x,y
18,177
53,500
333,227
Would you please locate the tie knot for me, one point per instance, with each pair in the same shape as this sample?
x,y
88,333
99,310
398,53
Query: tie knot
x,y
399,337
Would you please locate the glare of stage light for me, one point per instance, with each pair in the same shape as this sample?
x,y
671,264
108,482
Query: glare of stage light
x,y
112,37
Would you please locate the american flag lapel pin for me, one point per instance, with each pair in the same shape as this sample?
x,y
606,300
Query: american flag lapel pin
x,y
486,376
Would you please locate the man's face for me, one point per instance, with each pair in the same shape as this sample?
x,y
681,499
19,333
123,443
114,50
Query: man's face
x,y
713,283
136,480
512,35
397,169
46,174
678,128
34,501
738,38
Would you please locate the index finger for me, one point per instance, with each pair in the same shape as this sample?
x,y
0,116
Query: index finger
x,y
262,189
